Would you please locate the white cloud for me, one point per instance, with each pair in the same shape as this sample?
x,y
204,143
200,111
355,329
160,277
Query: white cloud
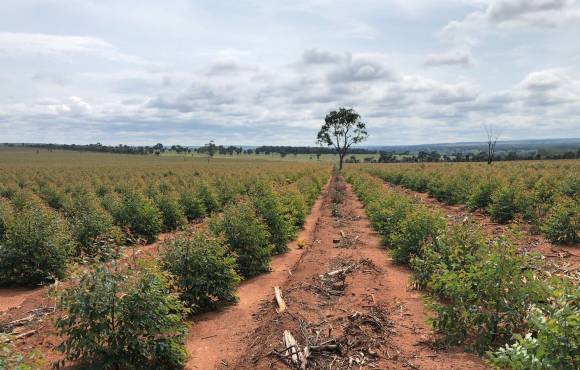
x,y
450,58
510,14
36,44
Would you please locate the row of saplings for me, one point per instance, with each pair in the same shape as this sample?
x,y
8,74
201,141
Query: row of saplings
x,y
133,317
40,233
494,300
551,208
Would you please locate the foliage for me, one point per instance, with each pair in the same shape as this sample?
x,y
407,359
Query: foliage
x,y
54,197
123,320
506,191
6,215
35,247
193,206
562,224
553,341
140,214
342,129
93,227
480,198
483,290
488,299
269,208
294,206
247,236
207,197
171,210
205,275
504,204
417,227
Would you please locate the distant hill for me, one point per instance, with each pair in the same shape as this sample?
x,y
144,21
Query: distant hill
x,y
551,145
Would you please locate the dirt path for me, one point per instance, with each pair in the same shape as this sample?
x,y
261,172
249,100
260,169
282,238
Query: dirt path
x,y
561,259
346,293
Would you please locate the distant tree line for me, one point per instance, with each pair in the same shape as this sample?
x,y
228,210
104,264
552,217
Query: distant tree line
x,y
283,151
482,156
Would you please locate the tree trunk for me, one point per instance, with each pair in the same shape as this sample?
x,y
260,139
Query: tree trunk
x,y
341,158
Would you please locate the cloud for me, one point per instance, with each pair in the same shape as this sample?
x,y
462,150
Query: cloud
x,y
462,58
37,44
360,68
532,12
450,94
510,14
316,56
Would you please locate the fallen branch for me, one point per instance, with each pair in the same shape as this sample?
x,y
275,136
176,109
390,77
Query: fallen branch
x,y
279,300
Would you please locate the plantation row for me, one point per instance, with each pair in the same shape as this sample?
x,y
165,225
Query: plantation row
x,y
47,218
493,300
545,194
133,316
139,322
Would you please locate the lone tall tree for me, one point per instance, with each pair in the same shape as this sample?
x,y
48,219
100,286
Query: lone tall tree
x,y
341,129
492,137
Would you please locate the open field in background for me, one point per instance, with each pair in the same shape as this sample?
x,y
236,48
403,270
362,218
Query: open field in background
x,y
493,249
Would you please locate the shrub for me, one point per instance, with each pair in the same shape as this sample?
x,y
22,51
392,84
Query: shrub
x,y
553,341
206,277
140,214
93,227
294,206
247,236
123,321
54,197
310,188
504,204
207,197
570,185
418,226
6,215
171,211
451,250
488,299
23,199
35,247
227,190
480,198
193,206
563,222
270,210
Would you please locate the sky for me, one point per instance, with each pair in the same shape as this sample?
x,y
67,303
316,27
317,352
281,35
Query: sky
x,y
250,72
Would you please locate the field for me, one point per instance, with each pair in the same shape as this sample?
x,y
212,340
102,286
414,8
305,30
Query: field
x,y
125,261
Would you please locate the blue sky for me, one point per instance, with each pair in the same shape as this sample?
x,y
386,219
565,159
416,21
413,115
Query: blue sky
x,y
266,72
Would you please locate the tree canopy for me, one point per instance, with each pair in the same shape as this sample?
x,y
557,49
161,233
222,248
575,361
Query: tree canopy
x,y
342,129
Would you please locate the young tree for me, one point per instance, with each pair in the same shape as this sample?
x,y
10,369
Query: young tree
x,y
342,129
492,137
